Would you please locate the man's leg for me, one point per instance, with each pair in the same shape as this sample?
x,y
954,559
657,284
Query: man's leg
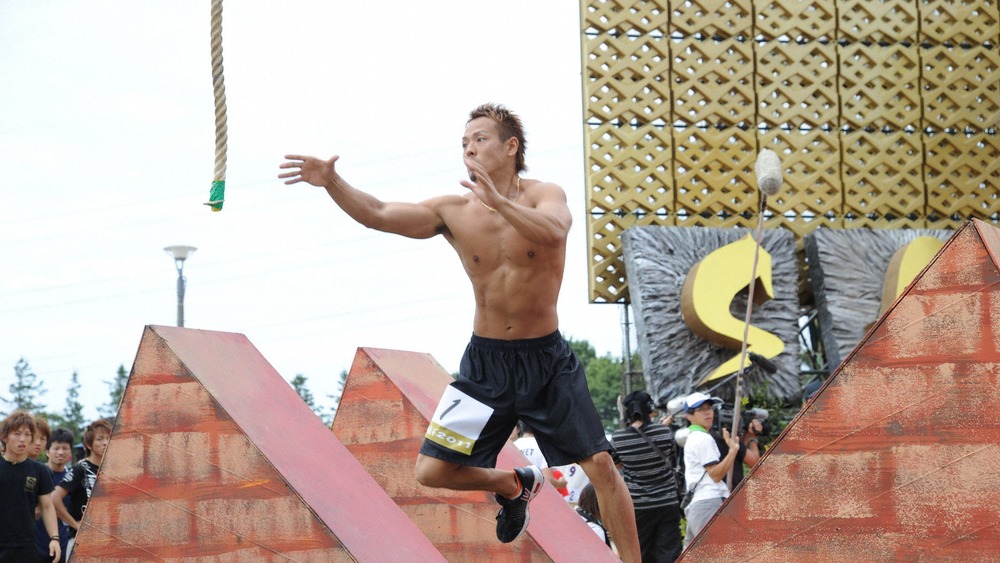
x,y
671,536
513,489
616,504
647,526
433,472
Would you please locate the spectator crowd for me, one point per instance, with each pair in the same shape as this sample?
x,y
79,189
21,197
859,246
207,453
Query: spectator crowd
x,y
44,490
662,460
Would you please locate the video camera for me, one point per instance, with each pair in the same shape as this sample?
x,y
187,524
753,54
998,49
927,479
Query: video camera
x,y
725,419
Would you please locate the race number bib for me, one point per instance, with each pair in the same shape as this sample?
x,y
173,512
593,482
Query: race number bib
x,y
458,421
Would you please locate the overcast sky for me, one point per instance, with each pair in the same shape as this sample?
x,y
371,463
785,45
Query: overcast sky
x,y
107,144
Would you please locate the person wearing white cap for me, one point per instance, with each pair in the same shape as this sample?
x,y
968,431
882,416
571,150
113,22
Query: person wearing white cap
x,y
705,472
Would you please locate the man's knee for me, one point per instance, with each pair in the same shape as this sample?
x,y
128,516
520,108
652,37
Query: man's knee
x,y
600,468
430,472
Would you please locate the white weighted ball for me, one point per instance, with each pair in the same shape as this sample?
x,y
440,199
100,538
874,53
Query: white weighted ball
x,y
768,170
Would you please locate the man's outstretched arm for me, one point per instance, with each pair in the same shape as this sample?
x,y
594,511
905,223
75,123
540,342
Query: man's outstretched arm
x,y
414,220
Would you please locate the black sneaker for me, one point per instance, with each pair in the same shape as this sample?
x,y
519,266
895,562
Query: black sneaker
x,y
512,519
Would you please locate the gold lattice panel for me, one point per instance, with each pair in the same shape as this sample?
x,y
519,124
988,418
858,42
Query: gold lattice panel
x,y
623,17
958,22
962,177
884,113
961,86
883,179
877,22
606,267
797,20
714,19
628,77
630,170
714,176
880,86
712,82
797,84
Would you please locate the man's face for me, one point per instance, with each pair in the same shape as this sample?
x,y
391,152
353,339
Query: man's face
x,y
482,144
18,441
100,445
37,445
59,453
703,415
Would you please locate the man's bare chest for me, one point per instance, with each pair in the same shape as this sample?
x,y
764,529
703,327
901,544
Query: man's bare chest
x,y
496,247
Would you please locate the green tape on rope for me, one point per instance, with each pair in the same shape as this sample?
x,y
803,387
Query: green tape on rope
x,y
217,195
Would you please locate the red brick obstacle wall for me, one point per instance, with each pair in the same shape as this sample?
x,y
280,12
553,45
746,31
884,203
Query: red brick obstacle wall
x,y
896,457
214,457
387,402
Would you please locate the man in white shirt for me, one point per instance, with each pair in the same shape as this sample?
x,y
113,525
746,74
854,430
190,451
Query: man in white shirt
x,y
705,472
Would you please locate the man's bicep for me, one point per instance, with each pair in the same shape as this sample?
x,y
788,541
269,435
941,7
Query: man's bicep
x,y
552,199
414,220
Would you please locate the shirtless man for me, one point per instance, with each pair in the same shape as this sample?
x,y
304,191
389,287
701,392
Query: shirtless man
x,y
510,234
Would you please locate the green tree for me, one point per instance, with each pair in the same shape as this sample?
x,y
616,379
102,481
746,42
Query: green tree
x,y
117,387
26,391
299,384
604,378
329,415
583,350
71,417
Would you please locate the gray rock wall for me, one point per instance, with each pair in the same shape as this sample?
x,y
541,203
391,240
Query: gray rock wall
x,y
847,270
675,359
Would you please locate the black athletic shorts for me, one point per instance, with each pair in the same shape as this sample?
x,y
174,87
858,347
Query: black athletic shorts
x,y
539,381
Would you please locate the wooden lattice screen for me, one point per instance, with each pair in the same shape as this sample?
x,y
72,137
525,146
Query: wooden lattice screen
x,y
884,113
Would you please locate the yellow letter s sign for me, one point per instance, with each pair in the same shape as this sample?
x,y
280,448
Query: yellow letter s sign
x,y
709,290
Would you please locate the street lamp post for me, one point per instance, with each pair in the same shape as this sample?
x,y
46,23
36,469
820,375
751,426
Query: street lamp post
x,y
180,254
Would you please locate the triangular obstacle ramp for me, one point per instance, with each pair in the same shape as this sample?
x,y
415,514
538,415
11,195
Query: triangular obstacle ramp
x,y
896,459
389,397
214,457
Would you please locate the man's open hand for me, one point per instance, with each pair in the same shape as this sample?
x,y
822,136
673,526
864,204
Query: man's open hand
x,y
308,169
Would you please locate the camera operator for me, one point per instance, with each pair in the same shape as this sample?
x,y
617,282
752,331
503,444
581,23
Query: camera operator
x,y
705,467
750,450
646,454
749,443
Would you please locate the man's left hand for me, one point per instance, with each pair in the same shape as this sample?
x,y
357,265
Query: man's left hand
x,y
482,184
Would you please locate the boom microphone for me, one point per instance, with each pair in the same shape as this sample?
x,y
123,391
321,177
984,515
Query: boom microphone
x,y
763,363
768,170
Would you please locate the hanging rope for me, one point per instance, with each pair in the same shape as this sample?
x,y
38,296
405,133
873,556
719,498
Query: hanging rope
x,y
769,179
218,193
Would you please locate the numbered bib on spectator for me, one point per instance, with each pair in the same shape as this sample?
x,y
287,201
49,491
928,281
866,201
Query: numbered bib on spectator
x,y
458,421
